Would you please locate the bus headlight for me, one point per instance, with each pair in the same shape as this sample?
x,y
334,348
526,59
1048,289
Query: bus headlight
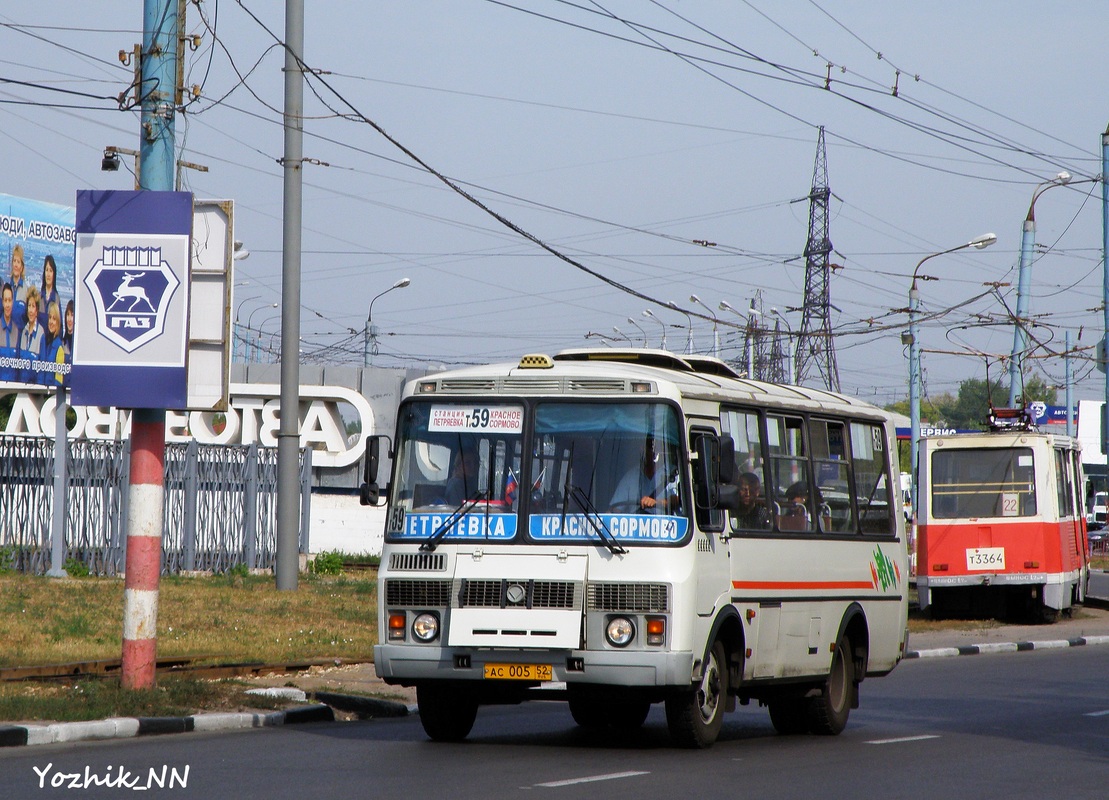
x,y
425,627
620,631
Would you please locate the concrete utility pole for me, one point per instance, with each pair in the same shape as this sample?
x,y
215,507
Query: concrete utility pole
x,y
288,436
148,425
1105,279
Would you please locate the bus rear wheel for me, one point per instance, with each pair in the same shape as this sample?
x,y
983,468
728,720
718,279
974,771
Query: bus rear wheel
x,y
446,712
828,712
696,717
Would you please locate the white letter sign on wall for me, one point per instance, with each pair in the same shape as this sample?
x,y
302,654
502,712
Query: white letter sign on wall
x,y
254,416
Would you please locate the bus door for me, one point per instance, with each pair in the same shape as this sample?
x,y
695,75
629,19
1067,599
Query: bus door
x,y
711,567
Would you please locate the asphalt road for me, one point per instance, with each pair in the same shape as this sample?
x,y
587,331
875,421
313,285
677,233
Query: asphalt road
x,y
1016,725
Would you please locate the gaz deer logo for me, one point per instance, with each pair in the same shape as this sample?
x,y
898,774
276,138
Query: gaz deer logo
x,y
131,288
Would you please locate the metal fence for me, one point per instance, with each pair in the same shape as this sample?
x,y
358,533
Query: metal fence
x,y
220,505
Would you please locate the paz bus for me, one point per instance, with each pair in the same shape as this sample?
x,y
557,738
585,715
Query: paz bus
x,y
573,527
1000,525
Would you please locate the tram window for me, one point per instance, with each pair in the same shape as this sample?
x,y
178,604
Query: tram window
x,y
983,483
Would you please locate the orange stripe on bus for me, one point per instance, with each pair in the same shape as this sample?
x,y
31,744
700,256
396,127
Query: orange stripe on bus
x,y
802,585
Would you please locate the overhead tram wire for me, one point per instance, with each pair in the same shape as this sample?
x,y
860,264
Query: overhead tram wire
x,y
463,193
815,82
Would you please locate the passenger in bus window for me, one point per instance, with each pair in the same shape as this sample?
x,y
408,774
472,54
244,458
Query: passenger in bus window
x,y
462,483
645,489
795,516
753,513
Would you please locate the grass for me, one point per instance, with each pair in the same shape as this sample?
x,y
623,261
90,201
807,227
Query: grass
x,y
223,618
235,618
174,696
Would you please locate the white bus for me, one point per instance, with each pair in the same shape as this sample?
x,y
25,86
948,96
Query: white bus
x,y
579,527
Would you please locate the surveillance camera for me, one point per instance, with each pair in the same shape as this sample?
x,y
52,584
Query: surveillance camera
x,y
110,162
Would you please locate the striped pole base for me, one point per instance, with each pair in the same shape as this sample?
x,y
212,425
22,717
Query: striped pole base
x,y
144,549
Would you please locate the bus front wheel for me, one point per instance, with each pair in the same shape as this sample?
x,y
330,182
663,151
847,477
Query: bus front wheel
x,y
695,717
446,712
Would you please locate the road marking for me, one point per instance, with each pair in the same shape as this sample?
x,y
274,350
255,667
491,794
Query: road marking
x,y
905,739
1097,714
591,779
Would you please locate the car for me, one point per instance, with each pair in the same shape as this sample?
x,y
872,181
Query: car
x,y
1097,514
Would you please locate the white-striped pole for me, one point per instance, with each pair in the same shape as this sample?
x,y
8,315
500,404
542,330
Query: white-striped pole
x,y
144,549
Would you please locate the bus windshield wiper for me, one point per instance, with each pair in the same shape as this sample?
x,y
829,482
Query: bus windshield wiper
x,y
465,507
596,521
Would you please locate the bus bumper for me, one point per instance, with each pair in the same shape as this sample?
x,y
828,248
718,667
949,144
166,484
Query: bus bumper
x,y
409,664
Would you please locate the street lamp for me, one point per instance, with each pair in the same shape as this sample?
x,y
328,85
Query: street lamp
x,y
647,313
604,339
913,341
792,377
715,331
250,327
370,350
239,308
642,332
1027,243
689,321
749,319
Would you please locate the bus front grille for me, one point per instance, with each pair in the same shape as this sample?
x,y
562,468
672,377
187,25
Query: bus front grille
x,y
401,593
418,562
528,594
642,597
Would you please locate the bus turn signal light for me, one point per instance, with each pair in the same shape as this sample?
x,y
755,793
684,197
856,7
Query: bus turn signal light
x,y
396,627
656,631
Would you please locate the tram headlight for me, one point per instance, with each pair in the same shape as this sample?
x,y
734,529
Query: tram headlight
x,y
620,631
425,627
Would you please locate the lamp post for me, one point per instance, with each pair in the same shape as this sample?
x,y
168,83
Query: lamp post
x,y
604,339
647,313
369,349
237,334
715,330
913,340
688,321
1027,243
250,327
639,328
789,348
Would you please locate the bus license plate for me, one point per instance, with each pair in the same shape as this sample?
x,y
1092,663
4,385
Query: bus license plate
x,y
985,558
518,672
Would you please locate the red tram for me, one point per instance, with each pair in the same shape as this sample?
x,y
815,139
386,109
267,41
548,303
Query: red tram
x,y
1000,523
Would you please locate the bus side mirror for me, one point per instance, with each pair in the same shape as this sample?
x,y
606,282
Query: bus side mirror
x,y
707,470
369,493
727,488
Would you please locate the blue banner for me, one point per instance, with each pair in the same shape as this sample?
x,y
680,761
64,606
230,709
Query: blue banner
x,y
132,277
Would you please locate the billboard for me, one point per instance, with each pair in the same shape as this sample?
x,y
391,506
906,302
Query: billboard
x,y
39,284
132,281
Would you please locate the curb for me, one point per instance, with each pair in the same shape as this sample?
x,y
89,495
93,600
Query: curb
x,y
128,727
1006,647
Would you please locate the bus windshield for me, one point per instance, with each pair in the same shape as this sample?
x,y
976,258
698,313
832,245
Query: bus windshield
x,y
596,472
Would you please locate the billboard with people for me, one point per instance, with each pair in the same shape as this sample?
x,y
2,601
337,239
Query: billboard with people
x,y
39,280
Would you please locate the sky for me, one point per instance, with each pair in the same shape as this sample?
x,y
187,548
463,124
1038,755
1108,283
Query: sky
x,y
541,171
